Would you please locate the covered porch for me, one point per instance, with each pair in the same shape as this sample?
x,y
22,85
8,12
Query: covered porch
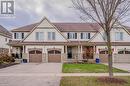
x,y
79,53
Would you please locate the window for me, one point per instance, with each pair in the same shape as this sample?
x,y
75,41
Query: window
x,y
51,36
18,35
85,35
72,35
124,52
39,36
119,36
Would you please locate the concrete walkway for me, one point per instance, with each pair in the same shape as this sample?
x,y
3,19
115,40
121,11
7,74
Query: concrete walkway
x,y
61,74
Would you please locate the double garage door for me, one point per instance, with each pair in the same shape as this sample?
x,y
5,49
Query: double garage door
x,y
35,56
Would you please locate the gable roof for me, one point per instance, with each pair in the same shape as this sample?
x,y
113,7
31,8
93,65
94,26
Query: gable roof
x,y
64,27
26,28
37,24
5,32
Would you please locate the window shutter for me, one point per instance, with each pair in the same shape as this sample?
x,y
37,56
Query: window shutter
x,y
75,35
14,35
22,35
81,35
88,35
68,35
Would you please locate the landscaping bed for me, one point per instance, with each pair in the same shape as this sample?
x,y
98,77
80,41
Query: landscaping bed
x,y
88,68
6,60
92,81
4,65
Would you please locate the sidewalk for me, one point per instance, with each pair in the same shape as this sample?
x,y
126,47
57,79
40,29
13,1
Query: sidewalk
x,y
63,74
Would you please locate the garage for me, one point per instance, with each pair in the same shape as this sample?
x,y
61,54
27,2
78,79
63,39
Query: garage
x,y
123,56
35,56
54,56
103,55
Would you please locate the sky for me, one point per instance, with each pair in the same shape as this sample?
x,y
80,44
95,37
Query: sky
x,y
32,11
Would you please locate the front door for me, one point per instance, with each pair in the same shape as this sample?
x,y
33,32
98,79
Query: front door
x,y
69,49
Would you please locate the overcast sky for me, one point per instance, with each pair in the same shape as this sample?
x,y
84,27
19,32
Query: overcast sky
x,y
31,11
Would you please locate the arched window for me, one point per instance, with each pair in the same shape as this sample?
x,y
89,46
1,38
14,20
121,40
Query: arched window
x,y
54,52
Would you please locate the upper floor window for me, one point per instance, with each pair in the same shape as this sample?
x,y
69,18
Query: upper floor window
x,y
39,36
18,35
85,35
51,36
119,36
72,35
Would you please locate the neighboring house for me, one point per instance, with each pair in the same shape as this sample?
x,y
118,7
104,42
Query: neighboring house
x,y
68,42
5,36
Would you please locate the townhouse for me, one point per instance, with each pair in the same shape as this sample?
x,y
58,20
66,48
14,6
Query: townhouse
x,y
5,36
68,42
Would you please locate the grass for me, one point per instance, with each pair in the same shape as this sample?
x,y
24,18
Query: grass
x,y
88,68
90,81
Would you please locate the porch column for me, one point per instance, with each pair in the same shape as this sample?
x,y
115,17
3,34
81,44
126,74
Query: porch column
x,y
79,51
66,51
94,54
9,50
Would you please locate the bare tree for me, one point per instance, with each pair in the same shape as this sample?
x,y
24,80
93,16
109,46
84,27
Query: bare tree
x,y
106,13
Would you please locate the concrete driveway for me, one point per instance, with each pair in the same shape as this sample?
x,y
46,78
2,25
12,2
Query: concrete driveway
x,y
20,76
123,66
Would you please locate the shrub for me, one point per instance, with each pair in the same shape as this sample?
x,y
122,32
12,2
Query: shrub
x,y
6,58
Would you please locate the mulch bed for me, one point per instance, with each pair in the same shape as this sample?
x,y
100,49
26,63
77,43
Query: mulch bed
x,y
112,80
7,65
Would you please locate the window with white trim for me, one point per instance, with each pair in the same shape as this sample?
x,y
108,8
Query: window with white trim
x,y
72,35
119,36
39,36
51,36
18,35
85,35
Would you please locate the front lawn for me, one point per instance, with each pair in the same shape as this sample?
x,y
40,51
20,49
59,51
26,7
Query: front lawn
x,y
90,81
88,68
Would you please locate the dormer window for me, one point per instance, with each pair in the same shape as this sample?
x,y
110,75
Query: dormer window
x,y
72,35
85,35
